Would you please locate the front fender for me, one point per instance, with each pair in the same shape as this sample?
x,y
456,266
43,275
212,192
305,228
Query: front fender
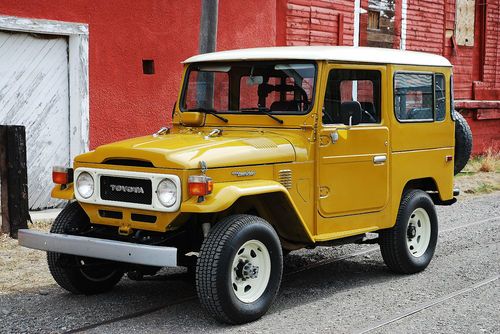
x,y
67,193
225,194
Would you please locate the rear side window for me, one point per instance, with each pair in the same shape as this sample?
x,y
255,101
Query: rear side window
x,y
413,96
440,96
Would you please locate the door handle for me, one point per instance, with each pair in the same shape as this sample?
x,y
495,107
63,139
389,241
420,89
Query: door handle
x,y
379,159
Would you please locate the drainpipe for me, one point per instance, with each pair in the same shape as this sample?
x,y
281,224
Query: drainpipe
x,y
207,43
404,8
357,11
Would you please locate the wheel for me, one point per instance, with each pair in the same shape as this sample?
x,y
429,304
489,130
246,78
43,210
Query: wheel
x,y
463,142
239,270
77,274
408,247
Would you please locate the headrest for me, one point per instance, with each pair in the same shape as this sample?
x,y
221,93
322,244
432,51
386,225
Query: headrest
x,y
350,109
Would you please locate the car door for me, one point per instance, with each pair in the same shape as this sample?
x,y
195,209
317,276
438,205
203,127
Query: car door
x,y
353,142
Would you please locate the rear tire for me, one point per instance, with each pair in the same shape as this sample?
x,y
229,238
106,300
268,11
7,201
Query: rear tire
x,y
239,270
77,274
409,246
463,142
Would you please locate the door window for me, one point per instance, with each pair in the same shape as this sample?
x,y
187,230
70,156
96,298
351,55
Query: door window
x,y
348,91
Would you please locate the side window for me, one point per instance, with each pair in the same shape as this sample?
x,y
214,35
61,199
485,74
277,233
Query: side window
x,y
352,94
413,97
439,90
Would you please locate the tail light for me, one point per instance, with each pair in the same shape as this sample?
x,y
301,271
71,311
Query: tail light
x,y
62,175
200,185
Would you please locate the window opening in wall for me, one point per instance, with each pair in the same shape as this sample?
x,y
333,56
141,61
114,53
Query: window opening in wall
x,y
148,66
373,20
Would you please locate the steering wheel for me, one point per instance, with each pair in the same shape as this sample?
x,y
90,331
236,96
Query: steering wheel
x,y
372,119
328,116
303,97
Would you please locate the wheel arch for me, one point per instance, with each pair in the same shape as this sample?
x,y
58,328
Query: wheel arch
x,y
267,199
425,184
429,185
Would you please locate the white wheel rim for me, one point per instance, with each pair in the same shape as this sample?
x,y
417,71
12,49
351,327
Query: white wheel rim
x,y
250,271
418,232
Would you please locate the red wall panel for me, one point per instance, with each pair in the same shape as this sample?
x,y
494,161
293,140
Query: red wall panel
x,y
314,22
123,101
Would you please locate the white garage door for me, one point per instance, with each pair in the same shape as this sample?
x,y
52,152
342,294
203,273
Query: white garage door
x,y
34,93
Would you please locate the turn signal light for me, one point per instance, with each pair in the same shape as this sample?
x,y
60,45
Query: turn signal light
x,y
62,175
200,185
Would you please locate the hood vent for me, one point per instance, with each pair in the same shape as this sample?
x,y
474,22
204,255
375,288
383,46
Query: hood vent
x,y
285,178
128,162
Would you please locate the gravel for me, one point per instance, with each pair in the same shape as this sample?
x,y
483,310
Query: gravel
x,y
342,297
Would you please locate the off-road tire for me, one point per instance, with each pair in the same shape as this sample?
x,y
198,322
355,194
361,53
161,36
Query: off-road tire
x,y
64,267
463,142
393,241
214,268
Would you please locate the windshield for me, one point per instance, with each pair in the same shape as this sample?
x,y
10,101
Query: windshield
x,y
249,87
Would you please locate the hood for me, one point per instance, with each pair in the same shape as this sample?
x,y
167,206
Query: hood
x,y
186,150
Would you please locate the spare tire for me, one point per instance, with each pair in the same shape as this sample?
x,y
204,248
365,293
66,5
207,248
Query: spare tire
x,y
463,142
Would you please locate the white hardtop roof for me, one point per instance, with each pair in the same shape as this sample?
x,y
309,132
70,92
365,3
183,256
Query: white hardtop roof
x,y
330,53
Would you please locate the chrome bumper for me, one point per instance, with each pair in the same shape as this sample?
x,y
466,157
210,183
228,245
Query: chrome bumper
x,y
120,251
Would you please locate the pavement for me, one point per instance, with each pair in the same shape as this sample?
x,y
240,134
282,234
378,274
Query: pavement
x,y
457,293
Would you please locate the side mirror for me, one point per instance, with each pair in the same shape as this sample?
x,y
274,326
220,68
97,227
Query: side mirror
x,y
350,113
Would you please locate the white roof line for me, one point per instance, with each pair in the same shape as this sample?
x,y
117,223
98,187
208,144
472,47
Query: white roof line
x,y
329,53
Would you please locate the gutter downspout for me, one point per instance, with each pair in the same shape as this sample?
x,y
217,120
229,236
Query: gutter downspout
x,y
404,8
357,11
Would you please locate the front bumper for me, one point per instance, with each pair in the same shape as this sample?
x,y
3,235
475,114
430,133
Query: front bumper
x,y
119,251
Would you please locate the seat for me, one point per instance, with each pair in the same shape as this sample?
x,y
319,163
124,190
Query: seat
x,y
350,112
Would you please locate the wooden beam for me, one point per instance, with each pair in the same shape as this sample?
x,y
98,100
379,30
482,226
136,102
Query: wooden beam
x,y
5,227
15,212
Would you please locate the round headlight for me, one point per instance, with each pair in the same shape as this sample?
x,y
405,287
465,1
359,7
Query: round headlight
x,y
167,192
85,185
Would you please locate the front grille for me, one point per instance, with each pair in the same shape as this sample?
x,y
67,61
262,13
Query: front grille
x,y
122,189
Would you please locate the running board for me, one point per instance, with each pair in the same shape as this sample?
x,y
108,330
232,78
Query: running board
x,y
105,249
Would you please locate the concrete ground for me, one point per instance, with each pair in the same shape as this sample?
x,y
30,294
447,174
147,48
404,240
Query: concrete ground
x,y
457,293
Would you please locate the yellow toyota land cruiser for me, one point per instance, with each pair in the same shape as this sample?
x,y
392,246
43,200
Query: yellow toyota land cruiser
x,y
271,150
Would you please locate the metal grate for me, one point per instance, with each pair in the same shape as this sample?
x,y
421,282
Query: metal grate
x,y
285,178
121,189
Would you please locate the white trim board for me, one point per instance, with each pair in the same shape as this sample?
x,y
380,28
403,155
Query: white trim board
x,y
78,58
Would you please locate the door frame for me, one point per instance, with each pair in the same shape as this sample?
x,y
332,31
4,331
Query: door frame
x,y
78,71
363,218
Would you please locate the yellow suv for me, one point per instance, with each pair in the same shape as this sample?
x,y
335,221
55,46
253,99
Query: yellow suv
x,y
271,150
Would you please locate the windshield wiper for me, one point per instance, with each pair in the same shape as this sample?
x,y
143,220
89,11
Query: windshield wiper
x,y
265,111
212,112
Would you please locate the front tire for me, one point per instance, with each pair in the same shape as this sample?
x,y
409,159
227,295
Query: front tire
x,y
77,274
409,246
239,270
